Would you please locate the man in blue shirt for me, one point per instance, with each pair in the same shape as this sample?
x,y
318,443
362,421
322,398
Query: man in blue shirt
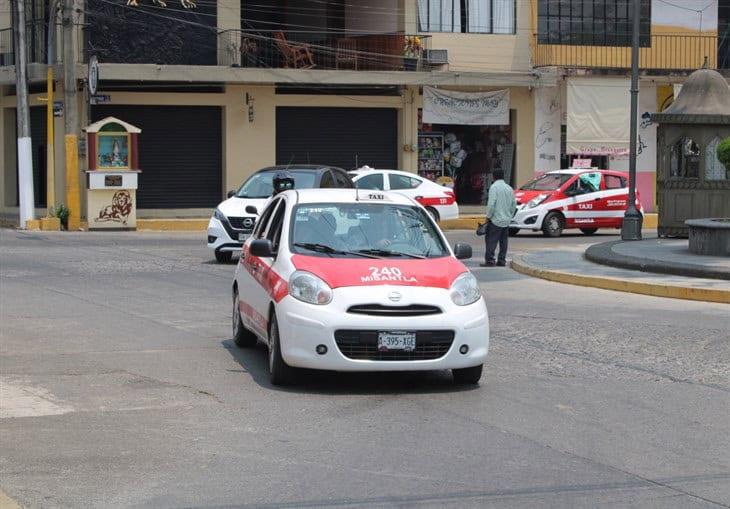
x,y
501,208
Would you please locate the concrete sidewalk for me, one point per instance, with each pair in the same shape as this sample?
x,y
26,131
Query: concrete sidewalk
x,y
570,266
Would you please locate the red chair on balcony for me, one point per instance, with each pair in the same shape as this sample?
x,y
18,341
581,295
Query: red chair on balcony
x,y
297,55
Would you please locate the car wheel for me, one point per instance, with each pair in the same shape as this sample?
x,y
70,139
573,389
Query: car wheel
x,y
513,232
589,231
280,373
223,256
242,337
468,376
433,213
552,225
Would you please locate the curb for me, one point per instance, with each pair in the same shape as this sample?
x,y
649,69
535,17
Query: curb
x,y
623,285
173,225
604,255
470,222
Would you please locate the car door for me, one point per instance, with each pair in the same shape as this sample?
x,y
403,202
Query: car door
x,y
253,294
614,199
583,201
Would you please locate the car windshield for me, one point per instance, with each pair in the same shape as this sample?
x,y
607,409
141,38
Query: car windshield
x,y
547,182
364,229
259,185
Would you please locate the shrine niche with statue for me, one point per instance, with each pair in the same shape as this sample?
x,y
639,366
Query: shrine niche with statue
x,y
112,177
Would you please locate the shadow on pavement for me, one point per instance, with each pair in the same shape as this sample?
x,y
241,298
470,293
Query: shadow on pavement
x,y
254,361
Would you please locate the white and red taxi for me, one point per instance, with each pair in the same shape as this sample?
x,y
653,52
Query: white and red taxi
x,y
439,201
587,199
349,280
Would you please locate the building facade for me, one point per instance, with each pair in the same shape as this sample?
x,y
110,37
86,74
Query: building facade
x,y
231,86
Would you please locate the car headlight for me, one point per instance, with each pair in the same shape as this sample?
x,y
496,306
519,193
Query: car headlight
x,y
537,200
307,287
465,290
219,215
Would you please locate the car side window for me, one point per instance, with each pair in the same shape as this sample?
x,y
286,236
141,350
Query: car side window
x,y
263,220
372,181
402,182
273,232
614,182
327,180
342,180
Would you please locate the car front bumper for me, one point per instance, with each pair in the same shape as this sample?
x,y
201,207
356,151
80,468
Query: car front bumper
x,y
528,218
219,239
304,326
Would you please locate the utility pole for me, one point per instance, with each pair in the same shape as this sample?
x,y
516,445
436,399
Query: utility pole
x,y
71,124
631,228
50,142
25,152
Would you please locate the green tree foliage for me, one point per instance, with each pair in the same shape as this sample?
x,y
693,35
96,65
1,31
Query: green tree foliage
x,y
723,152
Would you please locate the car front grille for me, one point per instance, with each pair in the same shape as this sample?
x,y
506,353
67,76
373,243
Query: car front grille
x,y
363,345
380,310
235,225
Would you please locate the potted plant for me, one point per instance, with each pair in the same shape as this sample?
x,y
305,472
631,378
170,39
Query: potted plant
x,y
412,51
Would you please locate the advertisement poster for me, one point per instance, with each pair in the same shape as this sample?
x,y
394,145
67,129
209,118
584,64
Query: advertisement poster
x,y
465,108
548,112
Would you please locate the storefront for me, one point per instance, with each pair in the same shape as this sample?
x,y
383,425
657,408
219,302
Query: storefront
x,y
470,134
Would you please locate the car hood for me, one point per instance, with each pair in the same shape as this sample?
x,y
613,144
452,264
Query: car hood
x,y
340,272
523,196
236,207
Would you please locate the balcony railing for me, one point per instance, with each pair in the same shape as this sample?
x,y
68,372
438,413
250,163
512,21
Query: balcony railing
x,y
667,52
322,50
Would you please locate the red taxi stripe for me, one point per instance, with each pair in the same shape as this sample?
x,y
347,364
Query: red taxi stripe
x,y
427,200
268,278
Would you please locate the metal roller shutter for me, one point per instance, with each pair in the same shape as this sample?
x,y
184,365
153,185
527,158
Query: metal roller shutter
x,y
180,154
344,137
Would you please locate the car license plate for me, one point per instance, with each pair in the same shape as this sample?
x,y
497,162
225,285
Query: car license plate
x,y
242,236
396,340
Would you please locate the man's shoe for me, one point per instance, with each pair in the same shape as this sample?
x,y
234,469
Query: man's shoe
x,y
487,264
501,264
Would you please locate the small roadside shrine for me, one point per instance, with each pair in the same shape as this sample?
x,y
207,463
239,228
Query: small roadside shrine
x,y
112,177
691,181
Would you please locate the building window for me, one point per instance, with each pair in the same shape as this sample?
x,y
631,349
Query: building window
x,y
684,159
714,169
590,22
467,16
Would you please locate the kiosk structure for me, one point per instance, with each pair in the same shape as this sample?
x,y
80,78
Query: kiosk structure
x,y
112,177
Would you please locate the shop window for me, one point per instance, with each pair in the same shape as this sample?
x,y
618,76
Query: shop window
x,y
374,181
684,159
402,182
714,169
467,16
615,182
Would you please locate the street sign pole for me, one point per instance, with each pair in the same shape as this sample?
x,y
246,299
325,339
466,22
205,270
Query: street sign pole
x,y
631,228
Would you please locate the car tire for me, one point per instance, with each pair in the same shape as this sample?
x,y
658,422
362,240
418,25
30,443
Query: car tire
x,y
513,232
223,256
467,376
589,231
433,213
280,373
553,224
242,337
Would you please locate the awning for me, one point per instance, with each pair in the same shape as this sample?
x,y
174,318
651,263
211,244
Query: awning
x,y
599,110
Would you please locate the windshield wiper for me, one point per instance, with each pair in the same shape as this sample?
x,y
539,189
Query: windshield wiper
x,y
324,248
388,252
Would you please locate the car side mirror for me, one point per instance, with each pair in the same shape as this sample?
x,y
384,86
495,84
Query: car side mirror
x,y
250,209
231,194
462,251
263,248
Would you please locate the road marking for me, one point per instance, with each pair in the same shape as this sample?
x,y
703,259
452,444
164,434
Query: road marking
x,y
19,399
6,502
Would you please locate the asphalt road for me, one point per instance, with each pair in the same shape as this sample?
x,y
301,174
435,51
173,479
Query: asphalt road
x,y
121,388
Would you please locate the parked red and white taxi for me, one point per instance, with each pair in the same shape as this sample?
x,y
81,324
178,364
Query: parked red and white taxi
x,y
350,280
587,199
439,201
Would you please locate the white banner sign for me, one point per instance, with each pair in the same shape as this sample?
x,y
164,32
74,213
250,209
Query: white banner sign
x,y
548,113
465,108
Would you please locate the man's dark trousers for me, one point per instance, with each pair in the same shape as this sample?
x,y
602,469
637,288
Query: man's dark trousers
x,y
496,234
